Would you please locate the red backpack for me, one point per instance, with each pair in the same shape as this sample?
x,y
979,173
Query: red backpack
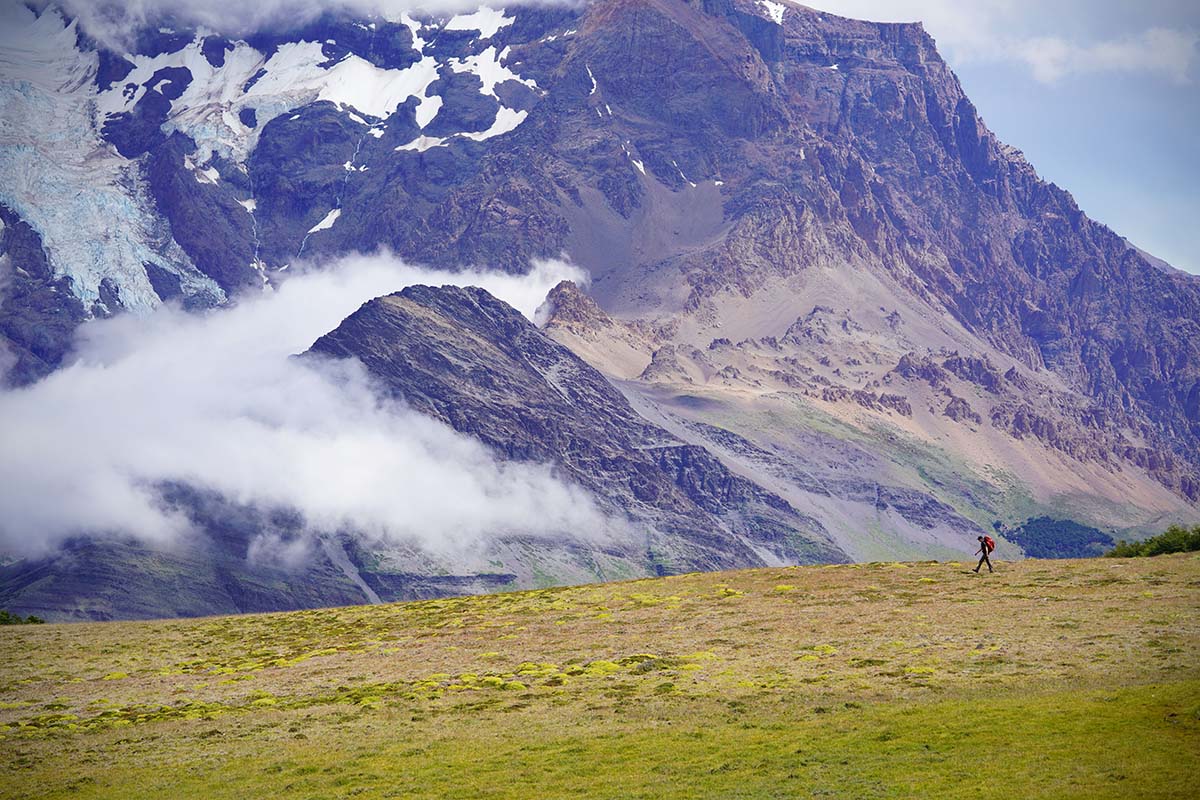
x,y
989,543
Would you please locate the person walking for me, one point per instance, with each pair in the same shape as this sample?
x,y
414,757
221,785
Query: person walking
x,y
986,545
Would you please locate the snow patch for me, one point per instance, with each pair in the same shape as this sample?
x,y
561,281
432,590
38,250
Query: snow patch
x,y
592,78
422,143
488,21
681,175
640,166
487,67
427,109
774,10
414,28
250,205
327,222
506,120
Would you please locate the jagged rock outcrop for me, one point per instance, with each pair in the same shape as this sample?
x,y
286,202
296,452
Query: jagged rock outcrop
x,y
665,366
923,368
573,310
960,410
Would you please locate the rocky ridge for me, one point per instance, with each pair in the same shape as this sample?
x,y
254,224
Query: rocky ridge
x,y
461,356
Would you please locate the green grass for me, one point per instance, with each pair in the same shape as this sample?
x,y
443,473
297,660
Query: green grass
x,y
1048,679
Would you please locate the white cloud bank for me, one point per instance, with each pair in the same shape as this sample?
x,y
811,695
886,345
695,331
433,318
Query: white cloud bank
x,y
113,22
215,401
1012,30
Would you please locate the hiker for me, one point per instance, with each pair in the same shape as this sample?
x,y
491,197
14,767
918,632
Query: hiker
x,y
986,545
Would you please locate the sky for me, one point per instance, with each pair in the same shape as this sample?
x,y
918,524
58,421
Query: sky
x,y
1103,96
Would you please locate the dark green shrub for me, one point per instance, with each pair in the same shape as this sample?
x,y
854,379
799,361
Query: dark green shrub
x,y
7,618
1043,537
1176,539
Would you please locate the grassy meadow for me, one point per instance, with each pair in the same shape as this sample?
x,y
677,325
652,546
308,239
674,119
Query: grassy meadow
x,y
1054,679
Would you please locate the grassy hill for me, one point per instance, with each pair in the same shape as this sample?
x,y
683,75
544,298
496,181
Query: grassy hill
x,y
1051,679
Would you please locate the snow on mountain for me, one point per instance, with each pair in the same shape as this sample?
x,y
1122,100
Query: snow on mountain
x,y
88,203
488,66
82,130
774,10
293,77
488,21
327,221
298,74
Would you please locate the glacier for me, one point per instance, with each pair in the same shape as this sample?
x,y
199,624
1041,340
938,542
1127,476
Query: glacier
x,y
88,203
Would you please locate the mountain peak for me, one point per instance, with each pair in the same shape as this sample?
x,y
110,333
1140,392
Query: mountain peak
x,y
829,314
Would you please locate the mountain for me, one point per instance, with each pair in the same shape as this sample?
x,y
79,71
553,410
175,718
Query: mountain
x,y
810,259
461,356
473,362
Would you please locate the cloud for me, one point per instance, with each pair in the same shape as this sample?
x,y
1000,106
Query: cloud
x,y
215,401
1168,52
1016,31
113,22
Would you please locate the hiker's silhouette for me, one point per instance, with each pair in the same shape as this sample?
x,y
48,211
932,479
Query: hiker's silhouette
x,y
986,546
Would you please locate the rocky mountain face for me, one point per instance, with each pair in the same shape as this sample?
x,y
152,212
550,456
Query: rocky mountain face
x,y
819,282
461,356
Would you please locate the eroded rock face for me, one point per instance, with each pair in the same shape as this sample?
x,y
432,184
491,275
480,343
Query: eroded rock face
x,y
572,309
